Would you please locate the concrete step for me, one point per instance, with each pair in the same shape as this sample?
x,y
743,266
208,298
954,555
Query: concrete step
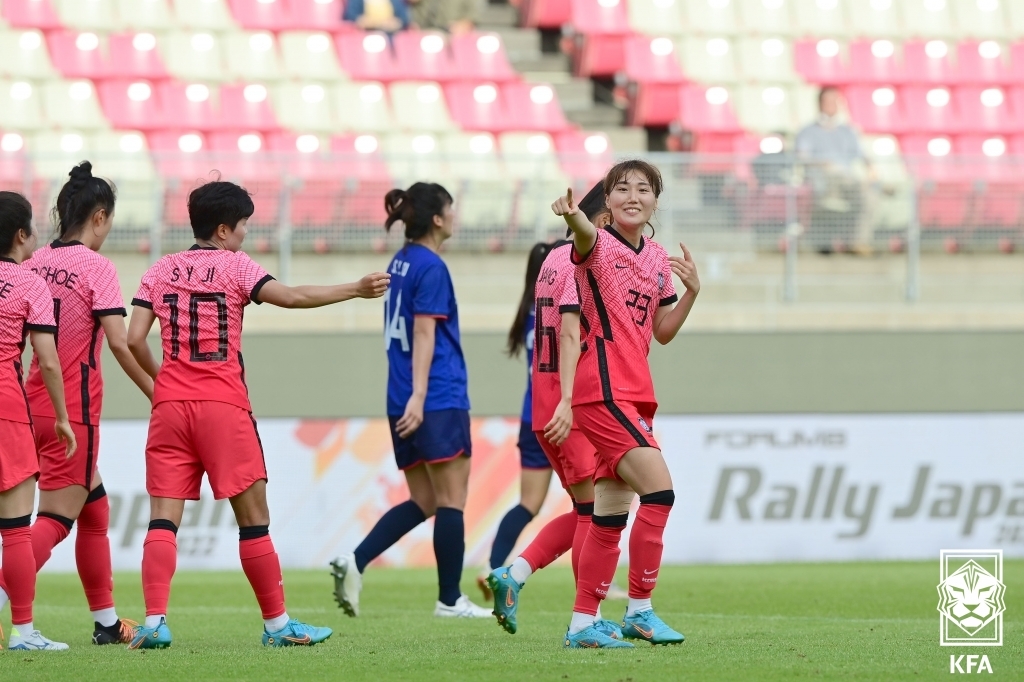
x,y
576,94
598,116
553,63
491,16
521,44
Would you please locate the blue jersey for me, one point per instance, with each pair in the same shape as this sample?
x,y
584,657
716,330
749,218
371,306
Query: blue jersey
x,y
528,398
420,285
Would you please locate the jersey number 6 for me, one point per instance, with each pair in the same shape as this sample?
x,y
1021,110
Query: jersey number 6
x,y
195,300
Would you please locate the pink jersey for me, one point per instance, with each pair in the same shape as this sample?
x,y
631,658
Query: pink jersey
x,y
621,288
199,297
25,305
84,287
554,294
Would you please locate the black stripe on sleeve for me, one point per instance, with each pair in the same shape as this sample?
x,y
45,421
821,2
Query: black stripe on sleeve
x,y
110,311
253,295
668,301
142,304
562,309
46,328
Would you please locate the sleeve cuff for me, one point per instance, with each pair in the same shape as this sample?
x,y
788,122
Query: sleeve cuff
x,y
578,259
668,301
142,304
110,311
562,309
254,294
47,328
436,316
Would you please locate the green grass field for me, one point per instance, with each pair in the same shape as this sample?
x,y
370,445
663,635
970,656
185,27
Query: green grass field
x,y
775,622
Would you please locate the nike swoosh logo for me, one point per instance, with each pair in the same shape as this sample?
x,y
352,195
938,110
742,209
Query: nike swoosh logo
x,y
646,632
509,600
646,572
606,584
305,639
620,267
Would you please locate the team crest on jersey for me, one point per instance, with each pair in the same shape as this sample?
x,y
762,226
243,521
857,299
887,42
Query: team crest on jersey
x,y
645,425
661,282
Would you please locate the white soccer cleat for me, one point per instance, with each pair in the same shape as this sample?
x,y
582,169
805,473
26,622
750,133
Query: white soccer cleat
x,y
348,583
33,641
463,608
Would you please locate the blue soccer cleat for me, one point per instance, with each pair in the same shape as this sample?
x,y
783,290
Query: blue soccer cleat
x,y
506,598
647,626
609,627
592,638
295,633
152,638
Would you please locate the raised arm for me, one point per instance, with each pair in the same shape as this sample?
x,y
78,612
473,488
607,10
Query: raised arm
x,y
273,292
584,233
423,330
49,367
117,339
557,430
138,330
669,319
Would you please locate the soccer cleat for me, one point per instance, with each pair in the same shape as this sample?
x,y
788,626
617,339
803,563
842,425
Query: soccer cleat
x,y
151,638
463,608
609,627
295,633
593,638
348,582
121,632
33,641
485,588
647,626
506,598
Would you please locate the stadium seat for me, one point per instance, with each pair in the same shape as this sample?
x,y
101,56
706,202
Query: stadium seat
x,y
189,106
656,17
875,62
477,107
1016,97
711,17
760,18
361,106
420,105
1015,17
707,60
20,106
243,158
98,15
930,158
707,110
203,15
530,158
928,19
78,55
315,15
423,56
483,196
765,108
152,15
414,157
545,13
124,158
472,156
820,18
36,14
303,107
135,55
367,56
930,110
247,107
367,180
309,55
980,19
72,104
481,57
998,188
928,61
252,56
193,56
876,20
601,30
23,54
533,106
55,153
892,207
260,15
651,66
821,61
317,177
765,59
986,110
585,157
944,189
876,109
131,104
180,156
983,63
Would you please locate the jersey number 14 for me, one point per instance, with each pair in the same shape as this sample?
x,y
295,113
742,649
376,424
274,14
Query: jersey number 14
x,y
394,323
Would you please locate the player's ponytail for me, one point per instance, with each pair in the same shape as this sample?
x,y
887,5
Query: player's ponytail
x,y
80,197
416,208
620,170
15,214
517,334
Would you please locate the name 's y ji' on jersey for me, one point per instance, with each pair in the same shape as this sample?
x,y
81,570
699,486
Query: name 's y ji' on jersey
x,y
189,270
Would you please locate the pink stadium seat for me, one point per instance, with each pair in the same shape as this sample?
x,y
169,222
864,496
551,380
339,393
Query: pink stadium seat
x,y
315,15
533,107
366,181
546,13
31,14
366,56
128,61
314,200
182,113
977,65
997,199
817,63
652,65
919,67
241,110
77,55
868,67
478,107
361,165
182,171
945,188
704,113
925,112
1017,62
871,111
481,57
257,169
131,105
423,56
986,110
585,157
255,15
601,34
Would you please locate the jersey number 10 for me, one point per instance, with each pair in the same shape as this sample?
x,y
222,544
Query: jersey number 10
x,y
195,300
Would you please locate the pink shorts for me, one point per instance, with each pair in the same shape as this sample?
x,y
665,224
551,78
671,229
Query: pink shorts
x,y
615,428
18,460
574,461
56,471
188,438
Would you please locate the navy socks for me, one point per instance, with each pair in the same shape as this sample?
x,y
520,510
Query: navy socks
x,y
508,532
449,548
398,521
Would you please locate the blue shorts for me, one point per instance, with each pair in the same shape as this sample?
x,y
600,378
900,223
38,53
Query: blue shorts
x,y
443,435
531,455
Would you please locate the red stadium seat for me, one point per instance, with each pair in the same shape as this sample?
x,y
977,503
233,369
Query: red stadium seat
x,y
131,105
189,106
478,107
31,14
928,62
533,107
875,62
820,61
78,55
423,56
707,110
546,13
242,157
366,179
876,109
314,199
998,195
315,15
652,65
945,187
601,35
181,161
1017,62
367,56
585,157
982,63
930,109
254,15
481,57
134,55
247,107
986,110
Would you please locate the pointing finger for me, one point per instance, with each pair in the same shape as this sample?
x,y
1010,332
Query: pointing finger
x,y
568,196
686,252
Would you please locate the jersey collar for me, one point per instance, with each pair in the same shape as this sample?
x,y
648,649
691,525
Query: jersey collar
x,y
196,247
5,259
57,244
634,249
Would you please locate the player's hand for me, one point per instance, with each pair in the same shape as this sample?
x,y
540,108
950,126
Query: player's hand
x,y
557,430
67,436
411,420
373,285
564,206
686,270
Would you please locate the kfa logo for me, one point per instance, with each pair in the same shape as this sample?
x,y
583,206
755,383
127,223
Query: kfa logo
x,y
971,663
645,425
971,597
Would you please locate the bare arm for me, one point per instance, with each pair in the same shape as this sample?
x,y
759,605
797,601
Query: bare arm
x,y
273,292
138,329
583,231
423,330
117,339
668,320
49,367
557,430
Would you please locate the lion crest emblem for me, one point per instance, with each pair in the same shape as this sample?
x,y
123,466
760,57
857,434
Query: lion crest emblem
x,y
971,597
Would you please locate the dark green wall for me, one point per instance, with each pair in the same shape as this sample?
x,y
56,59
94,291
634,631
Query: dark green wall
x,y
328,375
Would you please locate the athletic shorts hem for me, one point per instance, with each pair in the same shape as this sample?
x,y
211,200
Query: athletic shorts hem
x,y
442,460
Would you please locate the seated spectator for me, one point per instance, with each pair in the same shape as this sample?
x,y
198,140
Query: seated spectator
x,y
454,16
377,15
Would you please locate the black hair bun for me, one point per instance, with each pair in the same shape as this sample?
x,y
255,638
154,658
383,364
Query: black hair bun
x,y
81,174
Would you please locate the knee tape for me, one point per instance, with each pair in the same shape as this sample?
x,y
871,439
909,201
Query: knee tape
x,y
612,498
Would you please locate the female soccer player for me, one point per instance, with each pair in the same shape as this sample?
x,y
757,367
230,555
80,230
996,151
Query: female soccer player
x,y
88,306
25,306
627,296
428,402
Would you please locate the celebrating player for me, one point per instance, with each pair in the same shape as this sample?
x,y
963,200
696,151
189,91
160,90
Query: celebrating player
x,y
627,296
87,306
202,420
25,306
428,403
